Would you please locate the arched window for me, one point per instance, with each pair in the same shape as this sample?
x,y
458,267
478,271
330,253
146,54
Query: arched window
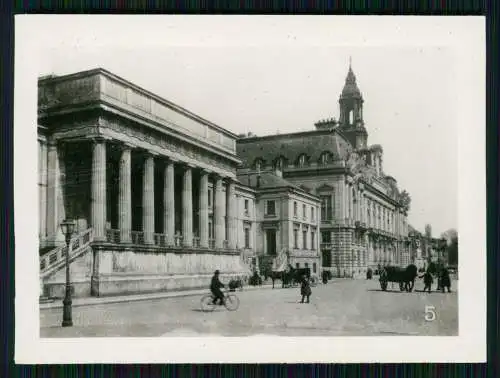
x,y
325,158
258,164
280,163
302,160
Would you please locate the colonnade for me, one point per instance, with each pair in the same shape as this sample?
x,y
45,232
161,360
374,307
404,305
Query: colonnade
x,y
224,217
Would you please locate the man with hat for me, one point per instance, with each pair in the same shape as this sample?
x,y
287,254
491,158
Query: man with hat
x,y
215,286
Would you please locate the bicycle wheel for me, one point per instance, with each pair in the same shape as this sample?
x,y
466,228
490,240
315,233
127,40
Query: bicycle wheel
x,y
231,302
207,304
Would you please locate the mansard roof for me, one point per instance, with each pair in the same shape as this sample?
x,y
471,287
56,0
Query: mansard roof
x,y
291,146
268,180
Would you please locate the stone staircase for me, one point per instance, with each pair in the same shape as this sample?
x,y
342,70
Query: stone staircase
x,y
53,262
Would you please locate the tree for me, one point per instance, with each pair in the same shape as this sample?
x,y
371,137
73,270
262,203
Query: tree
x,y
428,231
451,237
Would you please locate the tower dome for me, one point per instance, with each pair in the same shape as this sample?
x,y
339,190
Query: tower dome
x,y
350,87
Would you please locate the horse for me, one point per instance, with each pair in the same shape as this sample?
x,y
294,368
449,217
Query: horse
x,y
405,277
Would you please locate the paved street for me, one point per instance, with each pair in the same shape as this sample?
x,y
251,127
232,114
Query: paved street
x,y
340,308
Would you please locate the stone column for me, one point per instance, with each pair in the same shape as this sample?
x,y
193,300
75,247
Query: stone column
x,y
218,213
125,196
187,208
55,205
204,209
169,203
231,214
148,199
42,170
351,202
98,208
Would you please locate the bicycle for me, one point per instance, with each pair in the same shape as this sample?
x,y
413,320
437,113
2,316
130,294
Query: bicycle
x,y
231,302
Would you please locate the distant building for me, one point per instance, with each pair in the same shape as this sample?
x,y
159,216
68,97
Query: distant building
x,y
288,222
363,213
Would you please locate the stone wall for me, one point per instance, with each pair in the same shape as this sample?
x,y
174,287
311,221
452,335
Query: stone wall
x,y
117,271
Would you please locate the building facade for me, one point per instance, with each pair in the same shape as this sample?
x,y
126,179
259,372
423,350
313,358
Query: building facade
x,y
288,223
151,186
163,197
363,214
155,194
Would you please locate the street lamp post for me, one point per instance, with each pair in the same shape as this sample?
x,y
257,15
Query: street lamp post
x,y
67,228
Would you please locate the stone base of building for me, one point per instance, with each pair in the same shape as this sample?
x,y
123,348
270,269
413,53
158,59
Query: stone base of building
x,y
110,269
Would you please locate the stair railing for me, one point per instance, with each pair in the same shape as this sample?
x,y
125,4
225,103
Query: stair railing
x,y
57,257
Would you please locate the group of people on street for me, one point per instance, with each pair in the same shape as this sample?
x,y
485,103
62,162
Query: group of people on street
x,y
218,296
443,277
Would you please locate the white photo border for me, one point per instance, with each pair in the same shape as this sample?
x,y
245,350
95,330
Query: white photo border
x,y
464,35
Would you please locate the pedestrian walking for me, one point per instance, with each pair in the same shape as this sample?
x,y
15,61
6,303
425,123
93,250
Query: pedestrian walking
x,y
428,280
444,278
305,289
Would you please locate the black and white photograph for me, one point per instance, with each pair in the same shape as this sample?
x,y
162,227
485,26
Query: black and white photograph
x,y
251,189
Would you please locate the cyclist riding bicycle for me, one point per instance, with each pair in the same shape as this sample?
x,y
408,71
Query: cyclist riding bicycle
x,y
215,286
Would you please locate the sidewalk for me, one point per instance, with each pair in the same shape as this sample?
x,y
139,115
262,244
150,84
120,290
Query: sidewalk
x,y
92,301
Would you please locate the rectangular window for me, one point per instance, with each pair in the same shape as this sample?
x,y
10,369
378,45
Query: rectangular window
x,y
312,214
314,267
210,230
247,238
326,208
313,236
209,198
304,212
271,208
296,239
304,239
246,207
297,265
326,237
295,209
306,265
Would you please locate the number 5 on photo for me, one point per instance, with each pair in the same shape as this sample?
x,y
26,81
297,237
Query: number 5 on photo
x,y
430,314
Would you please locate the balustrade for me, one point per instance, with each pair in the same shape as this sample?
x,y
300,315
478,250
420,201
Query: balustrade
x,y
57,256
196,242
178,239
112,236
137,237
160,239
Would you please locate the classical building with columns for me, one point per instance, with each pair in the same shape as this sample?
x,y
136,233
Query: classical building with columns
x,y
152,187
363,214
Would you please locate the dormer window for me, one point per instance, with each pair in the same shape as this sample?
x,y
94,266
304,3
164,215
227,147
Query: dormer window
x,y
258,164
279,164
325,158
302,161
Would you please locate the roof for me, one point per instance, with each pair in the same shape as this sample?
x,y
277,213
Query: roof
x,y
351,88
291,146
268,180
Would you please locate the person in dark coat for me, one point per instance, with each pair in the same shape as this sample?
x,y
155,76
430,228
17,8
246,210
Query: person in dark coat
x,y
305,289
324,276
444,277
428,280
215,286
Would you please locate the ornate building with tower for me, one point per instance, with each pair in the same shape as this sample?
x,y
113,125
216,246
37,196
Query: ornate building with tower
x,y
363,214
162,197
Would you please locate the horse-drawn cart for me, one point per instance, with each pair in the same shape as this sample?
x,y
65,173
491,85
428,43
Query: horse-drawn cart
x,y
405,277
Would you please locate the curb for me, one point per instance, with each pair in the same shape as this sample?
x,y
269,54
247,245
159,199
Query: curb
x,y
135,298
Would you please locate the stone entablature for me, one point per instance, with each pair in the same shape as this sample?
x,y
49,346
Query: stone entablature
x,y
102,87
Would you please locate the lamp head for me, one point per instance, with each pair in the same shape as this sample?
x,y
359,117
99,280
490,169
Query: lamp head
x,y
67,227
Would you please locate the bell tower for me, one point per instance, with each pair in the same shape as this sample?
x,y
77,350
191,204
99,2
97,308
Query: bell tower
x,y
351,111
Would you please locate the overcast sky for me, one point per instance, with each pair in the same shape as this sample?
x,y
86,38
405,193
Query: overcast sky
x,y
409,108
